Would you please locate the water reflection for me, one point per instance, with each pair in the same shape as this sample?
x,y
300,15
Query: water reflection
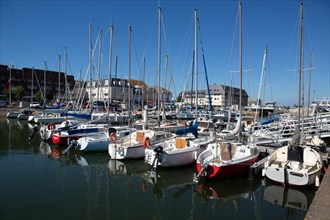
x,y
179,179
45,148
91,186
297,198
233,187
127,167
80,158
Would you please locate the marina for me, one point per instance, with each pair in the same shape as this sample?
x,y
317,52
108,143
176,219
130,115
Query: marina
x,y
126,143
91,185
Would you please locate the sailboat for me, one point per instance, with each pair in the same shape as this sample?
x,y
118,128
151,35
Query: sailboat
x,y
184,148
133,145
224,158
296,163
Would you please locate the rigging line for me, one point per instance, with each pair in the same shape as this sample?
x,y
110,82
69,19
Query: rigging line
x,y
292,38
207,81
115,42
136,54
308,33
149,36
232,45
168,61
186,38
269,76
164,32
93,55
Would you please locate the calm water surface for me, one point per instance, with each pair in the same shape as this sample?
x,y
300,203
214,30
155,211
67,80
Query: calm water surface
x,y
38,182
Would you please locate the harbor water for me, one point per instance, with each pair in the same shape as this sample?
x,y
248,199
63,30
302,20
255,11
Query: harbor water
x,y
38,182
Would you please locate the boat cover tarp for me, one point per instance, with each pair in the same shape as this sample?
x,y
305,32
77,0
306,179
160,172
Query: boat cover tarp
x,y
267,122
83,131
192,129
77,115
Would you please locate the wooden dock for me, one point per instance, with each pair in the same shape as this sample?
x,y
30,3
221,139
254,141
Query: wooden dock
x,y
320,207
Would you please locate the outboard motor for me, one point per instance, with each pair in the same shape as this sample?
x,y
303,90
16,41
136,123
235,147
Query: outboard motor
x,y
204,170
73,143
158,150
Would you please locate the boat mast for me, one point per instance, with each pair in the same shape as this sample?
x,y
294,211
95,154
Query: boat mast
x,y
240,68
44,96
99,66
143,80
32,83
109,68
164,94
192,79
196,62
301,66
90,65
59,77
262,80
116,68
65,72
10,67
240,60
309,81
159,51
129,73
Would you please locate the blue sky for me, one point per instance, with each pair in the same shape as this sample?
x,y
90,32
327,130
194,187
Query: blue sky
x,y
33,32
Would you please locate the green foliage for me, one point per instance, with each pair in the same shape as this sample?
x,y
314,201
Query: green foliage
x,y
179,98
19,92
39,96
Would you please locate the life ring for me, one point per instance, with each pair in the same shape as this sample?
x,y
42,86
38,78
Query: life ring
x,y
184,123
146,142
113,137
51,126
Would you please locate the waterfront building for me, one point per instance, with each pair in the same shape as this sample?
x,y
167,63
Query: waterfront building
x,y
58,85
140,93
52,83
221,96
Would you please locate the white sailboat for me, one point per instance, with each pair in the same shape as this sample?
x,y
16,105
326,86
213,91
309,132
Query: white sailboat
x,y
296,163
184,148
101,140
228,158
133,146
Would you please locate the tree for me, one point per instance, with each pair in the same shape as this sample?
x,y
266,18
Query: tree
x,y
39,96
19,92
179,98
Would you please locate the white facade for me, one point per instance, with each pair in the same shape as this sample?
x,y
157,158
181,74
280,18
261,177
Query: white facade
x,y
221,96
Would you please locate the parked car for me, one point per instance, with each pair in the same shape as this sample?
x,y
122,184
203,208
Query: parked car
x,y
35,105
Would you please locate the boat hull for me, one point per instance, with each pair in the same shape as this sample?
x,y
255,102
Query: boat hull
x,y
63,140
171,159
229,169
282,169
119,152
92,144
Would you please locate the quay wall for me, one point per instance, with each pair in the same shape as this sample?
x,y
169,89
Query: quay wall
x,y
320,207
